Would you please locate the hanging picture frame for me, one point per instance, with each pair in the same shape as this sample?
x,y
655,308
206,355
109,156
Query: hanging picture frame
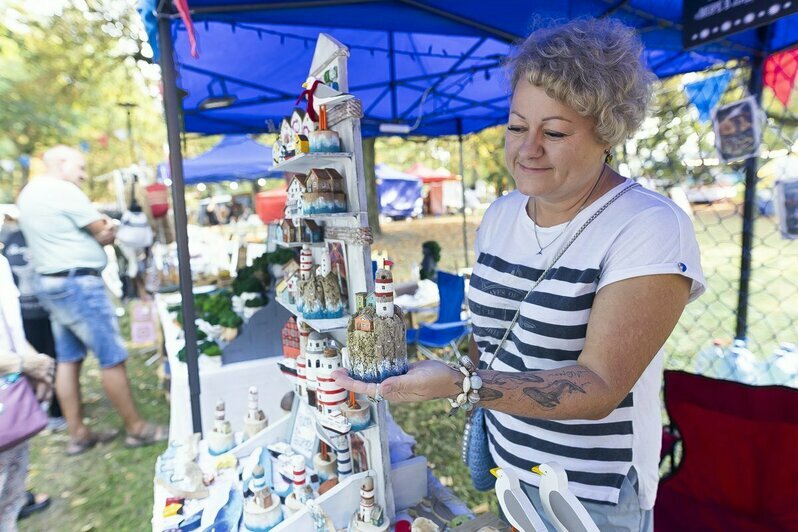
x,y
738,130
338,265
787,207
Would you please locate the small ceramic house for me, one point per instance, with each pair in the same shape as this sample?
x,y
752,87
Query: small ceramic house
x,y
286,140
297,118
301,143
362,323
313,232
295,200
324,192
308,126
290,231
290,339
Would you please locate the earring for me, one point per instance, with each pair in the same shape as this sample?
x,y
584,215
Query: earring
x,y
608,156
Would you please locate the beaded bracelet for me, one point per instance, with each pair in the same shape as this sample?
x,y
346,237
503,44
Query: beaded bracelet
x,y
472,383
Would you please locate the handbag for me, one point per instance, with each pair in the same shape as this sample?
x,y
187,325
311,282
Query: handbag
x,y
21,415
476,450
134,230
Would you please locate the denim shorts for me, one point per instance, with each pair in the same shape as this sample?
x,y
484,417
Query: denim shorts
x,y
626,516
82,318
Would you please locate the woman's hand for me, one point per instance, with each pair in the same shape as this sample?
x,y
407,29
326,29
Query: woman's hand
x,y
427,379
39,366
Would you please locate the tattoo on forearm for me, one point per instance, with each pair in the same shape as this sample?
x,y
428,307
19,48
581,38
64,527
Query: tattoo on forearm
x,y
549,396
489,394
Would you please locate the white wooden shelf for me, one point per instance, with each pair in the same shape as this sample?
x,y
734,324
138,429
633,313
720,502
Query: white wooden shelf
x,y
305,162
282,244
335,324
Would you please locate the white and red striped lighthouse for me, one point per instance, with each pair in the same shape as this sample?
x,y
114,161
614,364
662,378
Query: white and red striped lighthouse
x,y
330,395
305,262
298,463
383,291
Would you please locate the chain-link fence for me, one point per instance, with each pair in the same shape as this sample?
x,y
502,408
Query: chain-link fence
x,y
676,153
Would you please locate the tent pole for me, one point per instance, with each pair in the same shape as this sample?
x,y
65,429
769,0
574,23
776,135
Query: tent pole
x,y
171,110
462,190
755,88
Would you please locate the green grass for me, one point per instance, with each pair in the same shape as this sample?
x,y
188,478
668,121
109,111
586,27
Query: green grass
x,y
108,488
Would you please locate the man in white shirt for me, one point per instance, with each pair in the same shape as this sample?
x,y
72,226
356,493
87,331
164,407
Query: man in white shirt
x,y
66,235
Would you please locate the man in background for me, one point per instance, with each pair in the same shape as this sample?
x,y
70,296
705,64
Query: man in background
x,y
66,235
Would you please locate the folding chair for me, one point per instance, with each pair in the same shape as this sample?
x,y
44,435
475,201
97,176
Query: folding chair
x,y
449,329
738,469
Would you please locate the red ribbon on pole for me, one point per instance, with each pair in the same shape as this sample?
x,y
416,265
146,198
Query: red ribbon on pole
x,y
309,93
185,16
780,72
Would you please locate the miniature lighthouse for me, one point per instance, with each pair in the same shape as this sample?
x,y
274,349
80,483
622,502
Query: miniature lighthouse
x,y
302,491
314,352
324,264
305,263
383,291
262,509
366,500
330,395
256,420
221,439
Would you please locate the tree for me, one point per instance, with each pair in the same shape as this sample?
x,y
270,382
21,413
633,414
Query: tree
x,y
62,77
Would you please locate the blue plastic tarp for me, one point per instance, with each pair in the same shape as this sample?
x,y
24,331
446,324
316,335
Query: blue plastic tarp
x,y
435,61
236,157
399,193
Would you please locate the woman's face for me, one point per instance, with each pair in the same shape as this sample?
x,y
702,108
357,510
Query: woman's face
x,y
550,150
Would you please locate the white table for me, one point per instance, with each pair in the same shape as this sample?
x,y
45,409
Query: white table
x,y
229,382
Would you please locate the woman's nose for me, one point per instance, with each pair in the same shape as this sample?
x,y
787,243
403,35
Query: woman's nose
x,y
531,146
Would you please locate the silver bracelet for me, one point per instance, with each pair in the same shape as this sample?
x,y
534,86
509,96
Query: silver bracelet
x,y
472,383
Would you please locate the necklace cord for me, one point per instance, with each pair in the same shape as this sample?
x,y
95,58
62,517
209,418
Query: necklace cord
x,y
582,206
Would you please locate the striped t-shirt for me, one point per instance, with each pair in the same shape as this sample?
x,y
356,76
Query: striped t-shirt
x,y
642,233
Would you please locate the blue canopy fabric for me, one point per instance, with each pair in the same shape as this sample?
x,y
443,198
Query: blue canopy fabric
x,y
236,157
399,193
432,61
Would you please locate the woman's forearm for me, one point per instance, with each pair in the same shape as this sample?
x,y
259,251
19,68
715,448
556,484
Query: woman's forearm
x,y
573,392
9,363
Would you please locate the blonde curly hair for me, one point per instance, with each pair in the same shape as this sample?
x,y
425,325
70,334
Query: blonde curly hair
x,y
594,66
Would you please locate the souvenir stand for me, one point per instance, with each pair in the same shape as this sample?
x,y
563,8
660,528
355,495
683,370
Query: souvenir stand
x,y
327,465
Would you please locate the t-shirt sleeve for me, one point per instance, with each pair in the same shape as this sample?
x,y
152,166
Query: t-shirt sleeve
x,y
659,240
77,207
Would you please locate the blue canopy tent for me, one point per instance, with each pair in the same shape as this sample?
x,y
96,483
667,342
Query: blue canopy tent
x,y
236,157
432,67
399,193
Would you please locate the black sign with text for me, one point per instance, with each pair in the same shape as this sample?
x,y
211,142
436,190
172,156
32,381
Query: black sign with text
x,y
708,20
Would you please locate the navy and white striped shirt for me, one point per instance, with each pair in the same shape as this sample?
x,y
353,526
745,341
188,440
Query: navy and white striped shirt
x,y
642,233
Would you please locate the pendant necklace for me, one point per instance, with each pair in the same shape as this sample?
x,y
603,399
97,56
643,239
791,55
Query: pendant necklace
x,y
582,206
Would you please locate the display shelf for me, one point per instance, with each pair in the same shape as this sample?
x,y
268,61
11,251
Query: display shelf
x,y
335,324
305,162
298,245
330,216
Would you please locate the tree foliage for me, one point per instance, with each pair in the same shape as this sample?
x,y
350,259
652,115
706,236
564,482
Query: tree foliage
x,y
63,75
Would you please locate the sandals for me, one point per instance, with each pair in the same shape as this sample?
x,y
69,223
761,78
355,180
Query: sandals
x,y
33,504
151,433
81,446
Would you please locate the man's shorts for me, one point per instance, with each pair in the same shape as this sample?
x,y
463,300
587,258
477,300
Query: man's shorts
x,y
82,318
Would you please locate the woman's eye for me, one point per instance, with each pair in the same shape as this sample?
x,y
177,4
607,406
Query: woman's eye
x,y
516,129
555,134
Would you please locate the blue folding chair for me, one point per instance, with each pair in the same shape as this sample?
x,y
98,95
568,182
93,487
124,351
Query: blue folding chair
x,y
449,329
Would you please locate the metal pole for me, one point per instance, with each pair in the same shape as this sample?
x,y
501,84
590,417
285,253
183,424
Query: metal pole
x,y
171,109
462,190
755,88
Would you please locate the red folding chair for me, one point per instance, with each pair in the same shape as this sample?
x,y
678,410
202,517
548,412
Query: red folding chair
x,y
739,466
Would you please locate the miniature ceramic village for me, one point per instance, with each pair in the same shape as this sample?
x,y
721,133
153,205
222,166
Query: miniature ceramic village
x,y
326,465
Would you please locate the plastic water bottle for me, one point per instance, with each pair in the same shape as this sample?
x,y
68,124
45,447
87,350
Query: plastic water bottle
x,y
708,359
742,363
781,367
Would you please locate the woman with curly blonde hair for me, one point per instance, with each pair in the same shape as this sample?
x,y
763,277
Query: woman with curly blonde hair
x,y
581,276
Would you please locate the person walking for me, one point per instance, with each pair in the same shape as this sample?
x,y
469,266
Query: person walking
x,y
66,235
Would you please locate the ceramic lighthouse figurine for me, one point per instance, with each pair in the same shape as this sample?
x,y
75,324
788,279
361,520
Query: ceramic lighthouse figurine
x,y
221,439
376,341
256,420
333,307
368,517
302,492
306,277
262,509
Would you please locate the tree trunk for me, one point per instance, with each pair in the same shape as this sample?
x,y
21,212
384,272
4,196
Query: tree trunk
x,y
371,185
